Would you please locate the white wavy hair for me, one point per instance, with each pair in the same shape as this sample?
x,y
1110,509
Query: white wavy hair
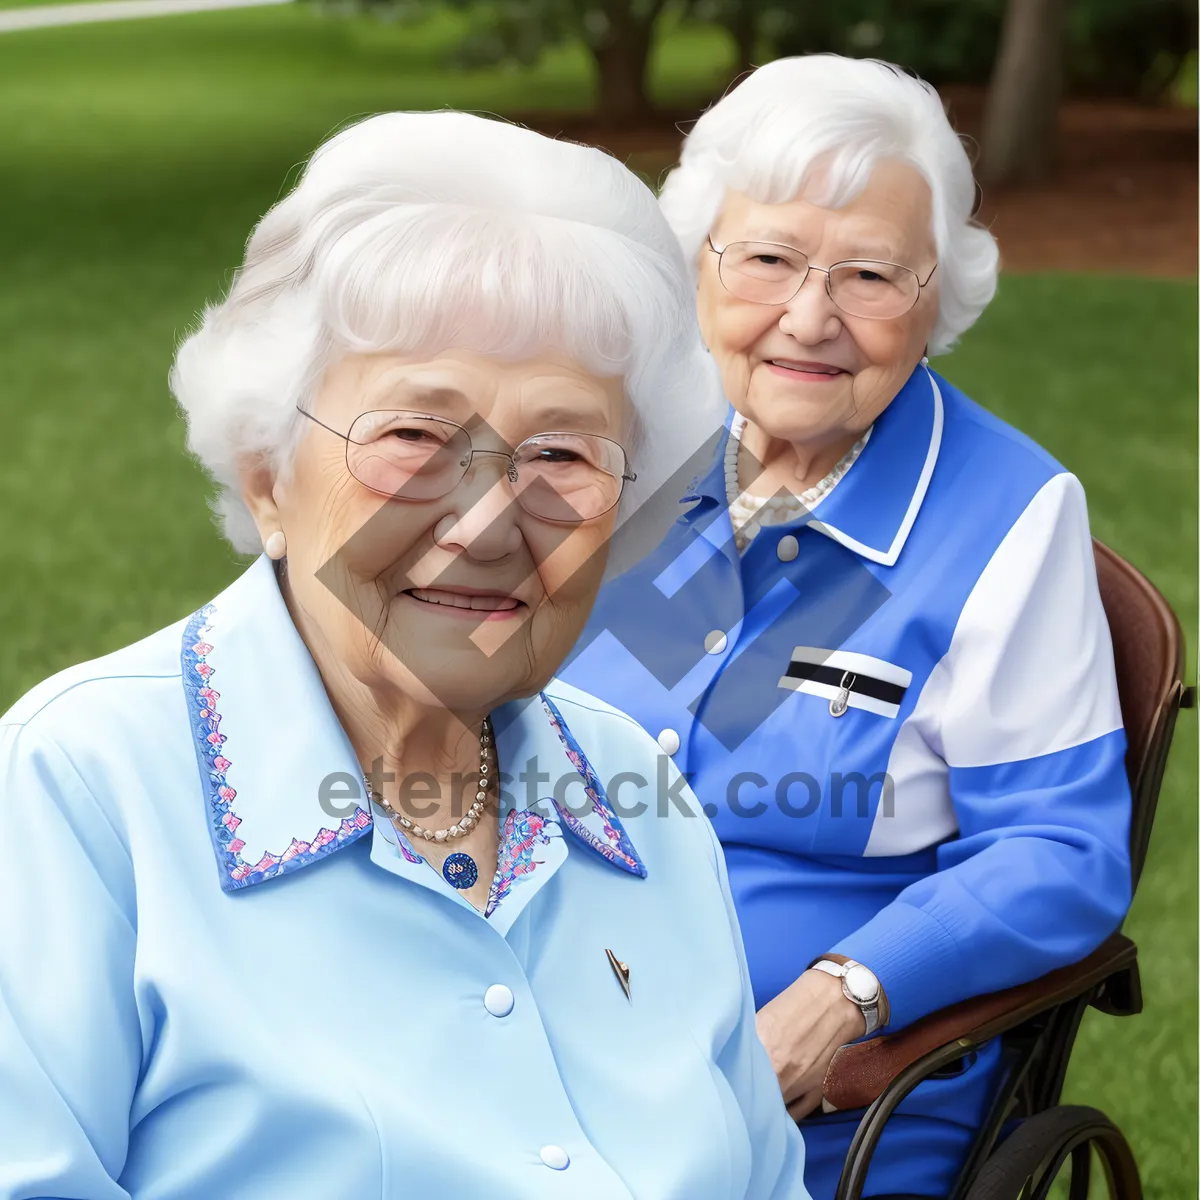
x,y
764,138
418,232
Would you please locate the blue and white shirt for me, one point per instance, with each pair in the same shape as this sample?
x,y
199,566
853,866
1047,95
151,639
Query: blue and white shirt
x,y
963,825
900,712
220,977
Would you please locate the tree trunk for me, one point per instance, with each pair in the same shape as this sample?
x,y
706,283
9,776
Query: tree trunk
x,y
744,28
622,56
1022,102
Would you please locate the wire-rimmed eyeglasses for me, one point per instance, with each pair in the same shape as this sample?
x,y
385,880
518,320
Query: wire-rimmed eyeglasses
x,y
773,273
556,476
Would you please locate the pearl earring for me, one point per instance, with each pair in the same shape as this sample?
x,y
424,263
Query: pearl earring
x,y
276,545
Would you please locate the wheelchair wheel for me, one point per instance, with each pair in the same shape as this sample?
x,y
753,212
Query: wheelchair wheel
x,y
1028,1161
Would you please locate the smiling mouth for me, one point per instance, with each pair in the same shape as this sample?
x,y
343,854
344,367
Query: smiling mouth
x,y
805,368
484,603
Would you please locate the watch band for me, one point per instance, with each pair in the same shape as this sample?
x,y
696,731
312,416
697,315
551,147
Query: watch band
x,y
869,1008
836,969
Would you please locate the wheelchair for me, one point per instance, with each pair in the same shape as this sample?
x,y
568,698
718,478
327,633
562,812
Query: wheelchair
x,y
1028,1136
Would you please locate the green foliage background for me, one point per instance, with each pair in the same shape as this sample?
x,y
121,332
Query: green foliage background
x,y
1113,47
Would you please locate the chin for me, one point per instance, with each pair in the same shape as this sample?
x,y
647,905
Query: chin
x,y
789,422
457,684
798,412
462,677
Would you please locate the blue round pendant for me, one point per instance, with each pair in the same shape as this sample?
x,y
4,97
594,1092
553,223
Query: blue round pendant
x,y
460,871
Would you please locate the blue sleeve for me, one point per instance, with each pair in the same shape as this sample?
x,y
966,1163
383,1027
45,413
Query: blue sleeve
x,y
70,1043
1038,877
1024,712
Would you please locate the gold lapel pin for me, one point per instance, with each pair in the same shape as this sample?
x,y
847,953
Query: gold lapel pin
x,y
621,971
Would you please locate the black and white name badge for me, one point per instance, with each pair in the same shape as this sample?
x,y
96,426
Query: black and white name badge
x,y
847,680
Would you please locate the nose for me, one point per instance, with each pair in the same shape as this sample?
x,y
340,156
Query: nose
x,y
483,516
811,316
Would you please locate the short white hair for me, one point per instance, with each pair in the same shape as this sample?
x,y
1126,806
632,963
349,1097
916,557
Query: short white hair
x,y
844,114
417,232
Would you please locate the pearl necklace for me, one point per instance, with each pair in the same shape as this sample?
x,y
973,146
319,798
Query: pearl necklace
x,y
468,820
748,513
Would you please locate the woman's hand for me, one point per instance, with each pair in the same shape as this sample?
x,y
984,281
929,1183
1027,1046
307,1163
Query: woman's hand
x,y
802,1028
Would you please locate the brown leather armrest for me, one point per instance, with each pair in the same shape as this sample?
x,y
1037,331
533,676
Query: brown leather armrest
x,y
860,1073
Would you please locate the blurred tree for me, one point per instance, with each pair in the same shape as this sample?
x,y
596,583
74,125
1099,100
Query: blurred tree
x,y
1112,47
943,41
756,26
618,34
1132,48
1022,102
1124,48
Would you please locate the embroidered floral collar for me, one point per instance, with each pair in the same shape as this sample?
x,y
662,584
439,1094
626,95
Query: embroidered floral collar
x,y
276,765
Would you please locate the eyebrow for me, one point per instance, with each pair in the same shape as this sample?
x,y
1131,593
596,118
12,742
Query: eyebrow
x,y
404,393
769,234
868,249
444,399
873,252
585,418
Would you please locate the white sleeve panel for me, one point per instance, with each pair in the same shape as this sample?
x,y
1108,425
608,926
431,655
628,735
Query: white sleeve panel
x,y
1029,670
1030,665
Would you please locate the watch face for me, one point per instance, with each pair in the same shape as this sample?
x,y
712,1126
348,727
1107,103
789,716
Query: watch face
x,y
862,984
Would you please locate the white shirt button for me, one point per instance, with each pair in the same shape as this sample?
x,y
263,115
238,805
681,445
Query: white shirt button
x,y
788,548
555,1157
716,642
668,741
498,1000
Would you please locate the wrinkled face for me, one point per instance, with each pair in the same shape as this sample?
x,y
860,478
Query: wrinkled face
x,y
805,371
462,599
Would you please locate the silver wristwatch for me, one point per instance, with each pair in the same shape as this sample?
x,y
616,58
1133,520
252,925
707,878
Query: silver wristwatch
x,y
859,985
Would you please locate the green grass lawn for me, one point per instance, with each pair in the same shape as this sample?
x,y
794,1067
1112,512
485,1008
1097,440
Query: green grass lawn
x,y
136,156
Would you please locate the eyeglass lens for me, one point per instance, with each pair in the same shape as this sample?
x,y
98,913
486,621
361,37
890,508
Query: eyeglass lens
x,y
766,273
562,477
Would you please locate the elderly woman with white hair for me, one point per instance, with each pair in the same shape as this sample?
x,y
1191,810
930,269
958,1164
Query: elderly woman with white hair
x,y
874,642
323,890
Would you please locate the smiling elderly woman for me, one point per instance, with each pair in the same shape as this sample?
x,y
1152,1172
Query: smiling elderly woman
x,y
447,353
874,643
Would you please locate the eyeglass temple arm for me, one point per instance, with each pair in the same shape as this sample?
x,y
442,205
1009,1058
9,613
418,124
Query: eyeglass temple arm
x,y
316,420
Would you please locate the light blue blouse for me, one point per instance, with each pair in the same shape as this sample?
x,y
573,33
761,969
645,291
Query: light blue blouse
x,y
317,1013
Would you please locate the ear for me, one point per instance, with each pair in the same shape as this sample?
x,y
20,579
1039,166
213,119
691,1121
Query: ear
x,y
258,493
